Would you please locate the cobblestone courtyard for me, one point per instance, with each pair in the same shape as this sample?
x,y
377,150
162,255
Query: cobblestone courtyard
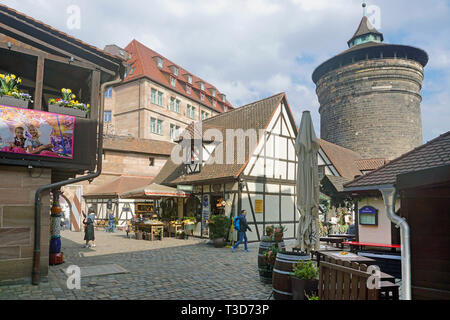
x,y
169,269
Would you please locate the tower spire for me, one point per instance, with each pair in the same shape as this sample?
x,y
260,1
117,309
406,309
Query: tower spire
x,y
364,9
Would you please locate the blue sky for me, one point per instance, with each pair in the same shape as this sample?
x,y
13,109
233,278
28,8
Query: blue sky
x,y
251,49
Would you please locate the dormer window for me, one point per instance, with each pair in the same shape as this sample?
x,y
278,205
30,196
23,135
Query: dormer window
x,y
159,62
224,98
214,103
174,70
202,96
225,108
172,81
202,86
189,77
188,89
213,91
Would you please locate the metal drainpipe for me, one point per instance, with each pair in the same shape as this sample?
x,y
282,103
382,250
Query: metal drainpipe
x,y
36,273
390,196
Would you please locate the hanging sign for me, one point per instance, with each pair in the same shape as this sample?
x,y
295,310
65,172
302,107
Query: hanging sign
x,y
259,206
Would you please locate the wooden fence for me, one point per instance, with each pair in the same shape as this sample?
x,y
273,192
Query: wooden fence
x,y
342,280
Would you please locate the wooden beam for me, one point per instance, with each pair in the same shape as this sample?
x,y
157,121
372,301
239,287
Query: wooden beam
x,y
95,95
39,83
253,211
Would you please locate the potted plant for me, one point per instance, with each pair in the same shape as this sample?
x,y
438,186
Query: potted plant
x,y
278,233
67,105
270,255
10,95
304,280
269,230
218,228
180,234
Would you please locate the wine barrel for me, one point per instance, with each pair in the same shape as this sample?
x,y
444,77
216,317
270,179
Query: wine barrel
x,y
265,269
281,281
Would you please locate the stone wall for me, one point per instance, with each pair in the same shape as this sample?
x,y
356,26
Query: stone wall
x,y
17,189
373,107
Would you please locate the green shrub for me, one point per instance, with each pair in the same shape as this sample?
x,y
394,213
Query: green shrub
x,y
219,226
305,270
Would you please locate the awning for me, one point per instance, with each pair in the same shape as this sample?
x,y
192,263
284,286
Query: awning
x,y
153,191
119,185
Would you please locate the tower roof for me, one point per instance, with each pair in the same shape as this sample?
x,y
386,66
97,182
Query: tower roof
x,y
365,29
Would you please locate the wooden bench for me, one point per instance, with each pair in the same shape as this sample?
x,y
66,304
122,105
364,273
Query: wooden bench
x,y
344,280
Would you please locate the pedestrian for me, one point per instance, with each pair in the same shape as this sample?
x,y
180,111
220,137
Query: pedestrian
x,y
112,223
243,227
89,228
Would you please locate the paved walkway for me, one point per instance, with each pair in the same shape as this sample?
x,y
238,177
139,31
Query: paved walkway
x,y
169,269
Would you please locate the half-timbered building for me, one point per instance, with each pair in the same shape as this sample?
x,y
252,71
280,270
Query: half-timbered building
x,y
264,183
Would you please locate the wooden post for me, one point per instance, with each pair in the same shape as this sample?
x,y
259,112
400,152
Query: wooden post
x,y
95,96
39,83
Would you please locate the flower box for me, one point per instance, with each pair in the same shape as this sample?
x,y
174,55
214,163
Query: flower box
x,y
13,102
55,108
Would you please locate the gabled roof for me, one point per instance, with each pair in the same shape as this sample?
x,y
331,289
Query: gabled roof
x,y
435,153
121,184
342,159
144,64
370,164
256,115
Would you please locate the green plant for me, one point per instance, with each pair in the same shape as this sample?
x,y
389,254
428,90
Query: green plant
x,y
219,226
271,254
305,270
312,297
9,86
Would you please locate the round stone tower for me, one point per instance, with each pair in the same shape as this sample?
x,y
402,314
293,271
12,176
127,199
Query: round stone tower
x,y
369,95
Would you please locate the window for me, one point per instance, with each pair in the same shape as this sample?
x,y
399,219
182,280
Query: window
x,y
190,79
224,98
172,81
175,71
108,92
190,113
174,130
214,92
177,106
225,108
214,103
172,104
202,86
202,96
160,98
159,62
153,96
155,126
159,127
204,115
151,162
188,90
107,116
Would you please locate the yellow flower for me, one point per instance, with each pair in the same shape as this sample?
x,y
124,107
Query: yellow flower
x,y
19,80
69,91
7,79
74,96
13,76
63,90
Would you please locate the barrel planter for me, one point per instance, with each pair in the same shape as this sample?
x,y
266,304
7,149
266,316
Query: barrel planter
x,y
281,279
265,269
301,287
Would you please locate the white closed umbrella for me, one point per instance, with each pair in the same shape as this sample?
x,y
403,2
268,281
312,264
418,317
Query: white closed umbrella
x,y
307,147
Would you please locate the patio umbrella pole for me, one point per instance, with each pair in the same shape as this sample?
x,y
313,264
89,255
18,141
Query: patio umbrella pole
x,y
36,273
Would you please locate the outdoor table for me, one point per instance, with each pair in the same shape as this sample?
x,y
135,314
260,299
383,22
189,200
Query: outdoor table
x,y
360,245
337,241
344,236
151,227
350,257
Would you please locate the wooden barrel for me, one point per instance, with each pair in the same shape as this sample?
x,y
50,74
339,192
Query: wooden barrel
x,y
281,280
265,269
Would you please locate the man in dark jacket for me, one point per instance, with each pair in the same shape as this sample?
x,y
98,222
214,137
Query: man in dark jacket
x,y
243,227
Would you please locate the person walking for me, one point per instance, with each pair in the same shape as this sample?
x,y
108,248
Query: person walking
x,y
89,229
112,223
242,236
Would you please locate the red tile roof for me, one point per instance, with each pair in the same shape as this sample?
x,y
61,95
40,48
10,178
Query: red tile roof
x,y
370,164
435,153
342,159
119,185
142,59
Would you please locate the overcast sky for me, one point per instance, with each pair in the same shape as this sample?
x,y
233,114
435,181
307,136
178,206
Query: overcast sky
x,y
251,49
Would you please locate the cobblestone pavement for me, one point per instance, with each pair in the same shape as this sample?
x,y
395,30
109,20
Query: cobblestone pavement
x,y
168,269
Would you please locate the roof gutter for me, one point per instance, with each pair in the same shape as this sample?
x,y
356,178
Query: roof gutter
x,y
390,196
36,274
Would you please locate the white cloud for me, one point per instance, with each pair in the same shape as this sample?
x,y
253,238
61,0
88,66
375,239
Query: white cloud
x,y
251,49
